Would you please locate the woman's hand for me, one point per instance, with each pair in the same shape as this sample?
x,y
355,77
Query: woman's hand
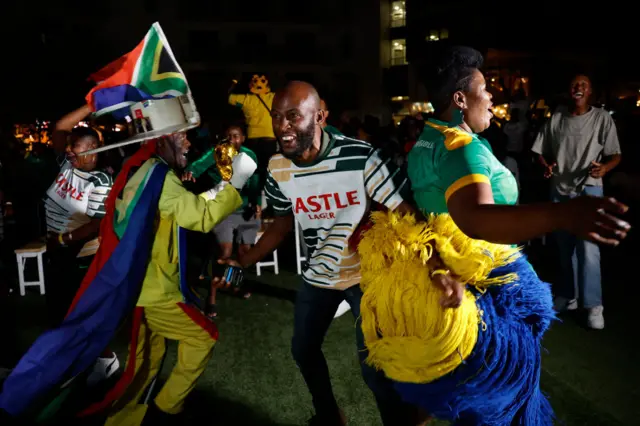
x,y
445,281
452,289
593,218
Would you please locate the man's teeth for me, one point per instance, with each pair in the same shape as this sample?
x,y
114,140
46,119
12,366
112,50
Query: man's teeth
x,y
288,138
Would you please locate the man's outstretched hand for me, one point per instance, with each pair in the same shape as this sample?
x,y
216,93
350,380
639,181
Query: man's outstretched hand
x,y
220,282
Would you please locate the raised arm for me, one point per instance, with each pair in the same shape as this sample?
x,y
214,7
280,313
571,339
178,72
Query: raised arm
x,y
65,125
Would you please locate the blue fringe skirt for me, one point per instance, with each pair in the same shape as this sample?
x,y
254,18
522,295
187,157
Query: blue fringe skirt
x,y
499,383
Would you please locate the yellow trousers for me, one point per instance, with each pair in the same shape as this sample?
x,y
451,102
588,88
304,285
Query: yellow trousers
x,y
196,337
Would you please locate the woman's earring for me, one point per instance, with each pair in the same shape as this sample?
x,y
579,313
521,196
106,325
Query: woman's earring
x,y
456,118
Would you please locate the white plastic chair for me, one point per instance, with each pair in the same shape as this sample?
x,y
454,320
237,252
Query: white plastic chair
x,y
300,256
263,264
30,251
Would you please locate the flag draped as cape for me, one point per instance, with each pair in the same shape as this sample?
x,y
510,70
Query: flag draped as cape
x,y
108,294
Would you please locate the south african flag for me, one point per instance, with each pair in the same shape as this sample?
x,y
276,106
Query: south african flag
x,y
148,71
106,298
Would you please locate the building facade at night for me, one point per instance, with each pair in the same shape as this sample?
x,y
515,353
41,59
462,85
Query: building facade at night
x,y
363,55
335,44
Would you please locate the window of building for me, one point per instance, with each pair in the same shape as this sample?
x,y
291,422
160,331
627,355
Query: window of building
x,y
436,35
203,45
399,52
398,14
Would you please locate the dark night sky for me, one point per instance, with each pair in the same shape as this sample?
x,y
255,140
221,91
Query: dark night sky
x,y
48,78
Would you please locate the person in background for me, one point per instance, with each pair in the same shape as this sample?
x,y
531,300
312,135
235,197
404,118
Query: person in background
x,y
516,130
499,143
74,205
409,129
577,147
256,106
243,225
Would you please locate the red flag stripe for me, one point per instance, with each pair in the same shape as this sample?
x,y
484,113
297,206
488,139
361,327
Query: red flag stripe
x,y
117,73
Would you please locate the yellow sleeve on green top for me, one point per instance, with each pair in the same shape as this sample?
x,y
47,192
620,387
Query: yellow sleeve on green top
x,y
193,212
464,165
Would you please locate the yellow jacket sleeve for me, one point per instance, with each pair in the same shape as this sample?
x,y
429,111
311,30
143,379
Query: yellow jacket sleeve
x,y
237,100
193,212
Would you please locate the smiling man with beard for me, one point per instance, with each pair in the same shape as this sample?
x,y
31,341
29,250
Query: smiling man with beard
x,y
577,147
328,183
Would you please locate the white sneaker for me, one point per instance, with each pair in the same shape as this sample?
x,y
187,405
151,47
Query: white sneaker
x,y
595,319
103,369
562,304
342,309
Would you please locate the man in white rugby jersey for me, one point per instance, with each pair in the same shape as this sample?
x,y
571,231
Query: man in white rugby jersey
x,y
328,182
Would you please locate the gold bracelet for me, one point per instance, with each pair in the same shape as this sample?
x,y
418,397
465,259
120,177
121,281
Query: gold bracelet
x,y
61,239
440,272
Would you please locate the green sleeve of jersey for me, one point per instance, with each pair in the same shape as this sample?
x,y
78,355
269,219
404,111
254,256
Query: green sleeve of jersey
x,y
202,164
384,180
276,199
463,166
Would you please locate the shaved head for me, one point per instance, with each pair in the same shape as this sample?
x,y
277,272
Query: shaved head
x,y
297,119
298,93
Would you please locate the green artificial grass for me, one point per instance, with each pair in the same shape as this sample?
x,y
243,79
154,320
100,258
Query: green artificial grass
x,y
591,377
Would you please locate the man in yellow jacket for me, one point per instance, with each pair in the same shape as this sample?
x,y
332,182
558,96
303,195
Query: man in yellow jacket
x,y
160,312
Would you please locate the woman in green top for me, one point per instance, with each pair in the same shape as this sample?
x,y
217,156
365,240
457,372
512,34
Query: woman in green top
x,y
453,170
